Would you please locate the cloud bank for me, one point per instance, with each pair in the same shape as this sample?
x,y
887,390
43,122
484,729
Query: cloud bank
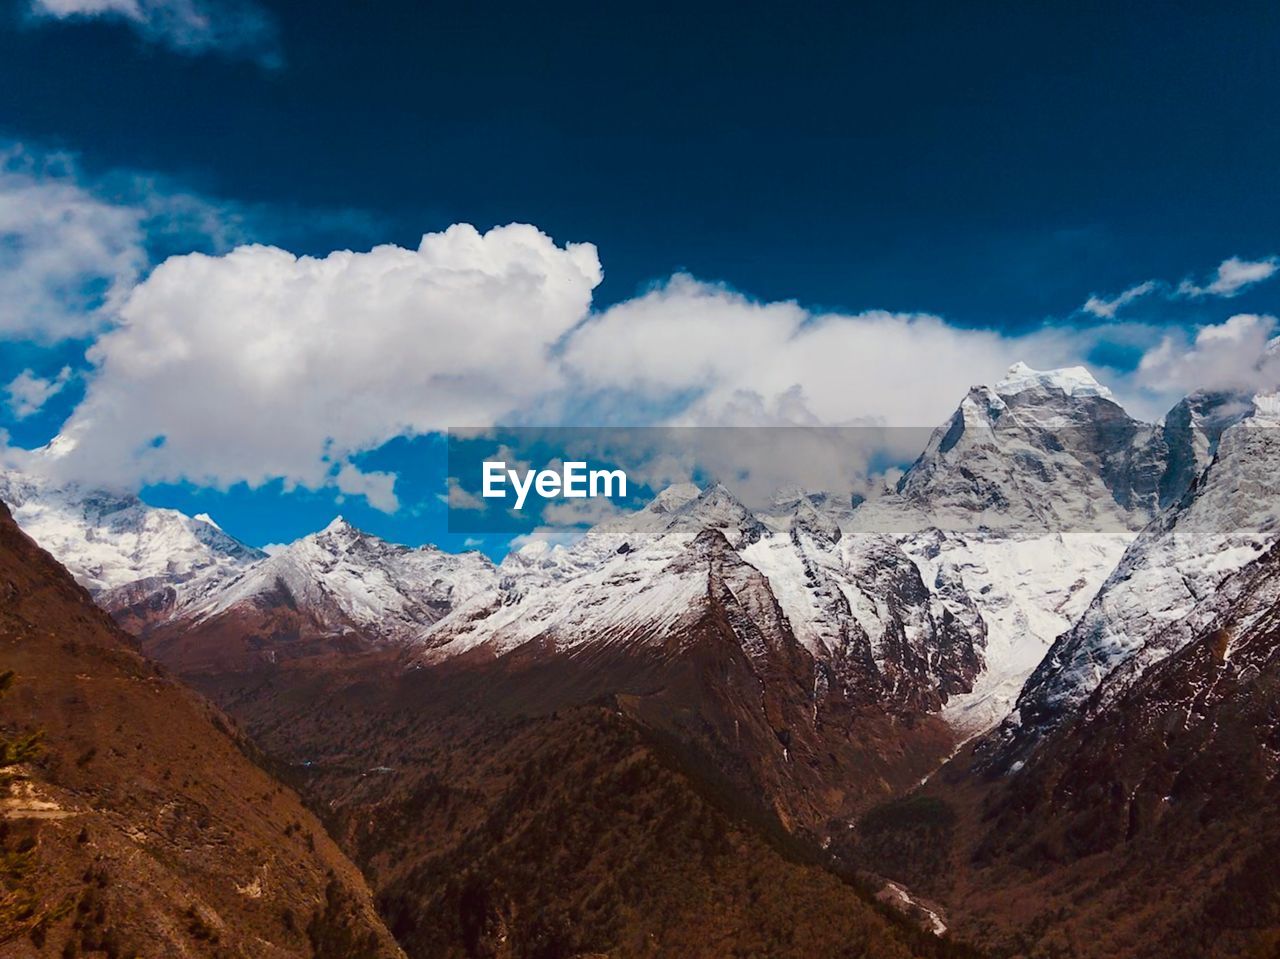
x,y
1241,353
731,360
256,365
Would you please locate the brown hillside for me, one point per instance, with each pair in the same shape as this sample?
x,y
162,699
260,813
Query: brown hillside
x,y
133,822
523,813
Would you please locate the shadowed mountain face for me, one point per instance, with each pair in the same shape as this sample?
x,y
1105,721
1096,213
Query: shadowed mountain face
x,y
517,809
1143,825
134,823
1178,580
1127,807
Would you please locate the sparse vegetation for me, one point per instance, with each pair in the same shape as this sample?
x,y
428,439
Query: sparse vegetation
x,y
20,909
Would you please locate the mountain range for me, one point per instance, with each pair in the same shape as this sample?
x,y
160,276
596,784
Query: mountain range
x,y
1026,696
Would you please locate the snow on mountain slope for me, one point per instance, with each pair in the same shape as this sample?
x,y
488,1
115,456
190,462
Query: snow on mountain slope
x,y
1073,381
108,540
625,580
947,590
1039,451
1171,580
346,579
1023,501
1028,592
856,604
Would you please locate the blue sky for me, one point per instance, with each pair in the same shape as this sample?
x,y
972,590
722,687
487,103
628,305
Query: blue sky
x,y
993,165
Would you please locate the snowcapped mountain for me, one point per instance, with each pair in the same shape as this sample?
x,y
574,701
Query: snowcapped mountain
x,y
857,604
1043,451
1180,578
350,580
944,593
949,590
338,589
1023,502
109,540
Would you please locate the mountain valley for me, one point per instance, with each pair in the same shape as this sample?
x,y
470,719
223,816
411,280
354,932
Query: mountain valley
x,y
1031,687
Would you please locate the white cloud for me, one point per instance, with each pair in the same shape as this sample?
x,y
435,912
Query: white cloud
x,y
1234,275
67,258
233,27
28,393
1107,308
376,487
579,512
259,365
459,497
1240,353
717,357
73,247
546,538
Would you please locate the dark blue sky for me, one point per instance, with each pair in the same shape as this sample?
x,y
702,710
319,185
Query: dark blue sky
x,y
985,160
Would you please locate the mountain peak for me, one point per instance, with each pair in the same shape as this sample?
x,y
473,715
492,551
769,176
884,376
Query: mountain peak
x,y
339,525
674,497
1072,380
338,536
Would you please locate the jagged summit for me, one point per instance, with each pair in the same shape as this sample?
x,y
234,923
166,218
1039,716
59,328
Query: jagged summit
x,y
1045,449
1074,381
339,525
345,579
674,497
1169,586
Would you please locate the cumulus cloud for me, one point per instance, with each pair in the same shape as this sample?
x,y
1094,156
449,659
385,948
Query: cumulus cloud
x,y
718,357
1240,353
1106,309
27,393
1233,276
233,27
259,364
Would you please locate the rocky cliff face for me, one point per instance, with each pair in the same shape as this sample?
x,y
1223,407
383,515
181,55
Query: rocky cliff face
x,y
1171,583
